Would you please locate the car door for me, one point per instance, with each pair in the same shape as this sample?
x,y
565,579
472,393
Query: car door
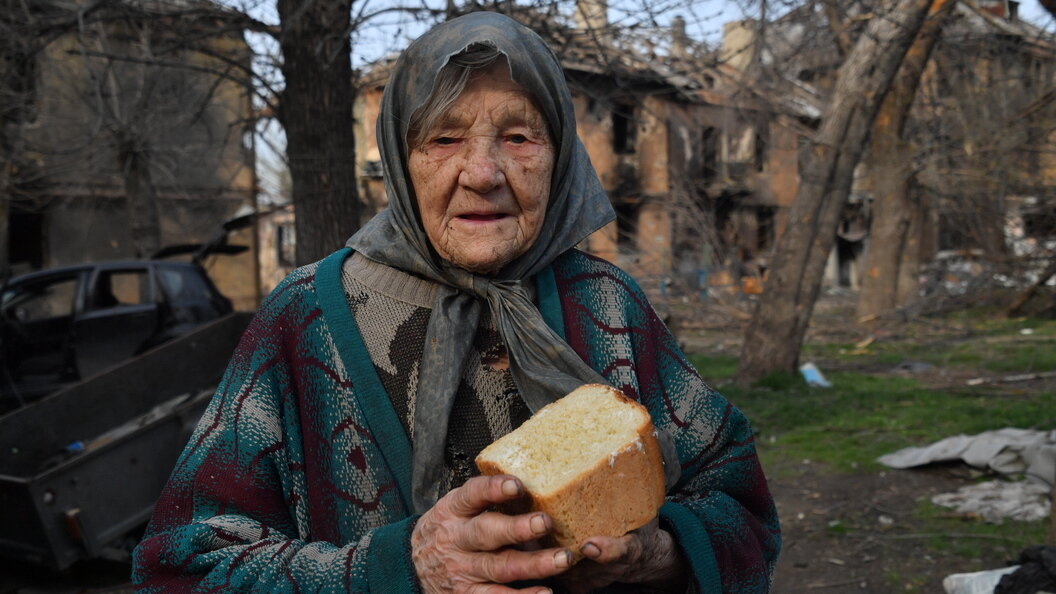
x,y
120,315
37,317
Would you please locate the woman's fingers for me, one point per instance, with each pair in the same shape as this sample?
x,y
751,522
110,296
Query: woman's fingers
x,y
606,550
459,545
511,565
481,492
646,556
629,548
491,530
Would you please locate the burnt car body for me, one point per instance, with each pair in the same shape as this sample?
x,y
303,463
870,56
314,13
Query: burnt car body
x,y
60,325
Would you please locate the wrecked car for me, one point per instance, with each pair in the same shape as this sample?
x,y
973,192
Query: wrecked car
x,y
60,325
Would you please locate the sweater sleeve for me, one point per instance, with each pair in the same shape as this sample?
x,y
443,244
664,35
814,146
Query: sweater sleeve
x,y
275,490
720,511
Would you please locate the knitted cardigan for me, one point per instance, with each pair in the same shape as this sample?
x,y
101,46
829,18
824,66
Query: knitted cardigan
x,y
297,477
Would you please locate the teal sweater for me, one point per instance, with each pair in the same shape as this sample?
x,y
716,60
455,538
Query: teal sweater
x,y
297,477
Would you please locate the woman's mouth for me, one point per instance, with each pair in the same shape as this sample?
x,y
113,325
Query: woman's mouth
x,y
482,217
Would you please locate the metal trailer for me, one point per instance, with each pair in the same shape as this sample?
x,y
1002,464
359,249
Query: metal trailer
x,y
80,469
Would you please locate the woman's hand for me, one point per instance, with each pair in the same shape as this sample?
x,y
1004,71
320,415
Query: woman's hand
x,y
647,556
460,546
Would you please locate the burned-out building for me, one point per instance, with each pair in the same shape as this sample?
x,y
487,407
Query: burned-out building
x,y
133,133
978,135
699,166
987,108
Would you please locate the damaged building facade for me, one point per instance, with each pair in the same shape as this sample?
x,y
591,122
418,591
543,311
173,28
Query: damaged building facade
x,y
699,149
979,131
130,140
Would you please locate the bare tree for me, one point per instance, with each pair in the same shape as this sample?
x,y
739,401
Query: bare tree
x,y
111,106
316,112
775,335
893,258
980,139
134,107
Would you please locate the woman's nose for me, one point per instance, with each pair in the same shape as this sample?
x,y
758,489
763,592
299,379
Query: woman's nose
x,y
482,170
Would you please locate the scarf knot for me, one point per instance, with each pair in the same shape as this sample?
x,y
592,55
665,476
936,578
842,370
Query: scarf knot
x,y
486,289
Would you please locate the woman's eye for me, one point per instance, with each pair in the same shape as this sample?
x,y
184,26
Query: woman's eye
x,y
444,140
518,138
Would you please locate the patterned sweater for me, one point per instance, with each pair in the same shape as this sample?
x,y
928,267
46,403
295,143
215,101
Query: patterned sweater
x,y
391,309
297,478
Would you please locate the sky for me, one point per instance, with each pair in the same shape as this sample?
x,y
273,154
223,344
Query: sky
x,y
704,20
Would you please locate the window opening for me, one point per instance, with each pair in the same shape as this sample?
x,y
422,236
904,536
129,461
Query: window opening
x,y
624,130
709,142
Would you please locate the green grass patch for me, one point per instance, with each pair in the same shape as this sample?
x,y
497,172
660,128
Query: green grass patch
x,y
991,321
994,344
864,416
715,369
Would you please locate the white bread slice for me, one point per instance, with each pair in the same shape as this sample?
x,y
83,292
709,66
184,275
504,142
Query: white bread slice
x,y
590,460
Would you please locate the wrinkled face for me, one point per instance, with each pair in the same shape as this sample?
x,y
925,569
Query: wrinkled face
x,y
482,176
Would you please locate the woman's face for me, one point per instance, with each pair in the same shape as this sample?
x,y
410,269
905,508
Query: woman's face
x,y
482,175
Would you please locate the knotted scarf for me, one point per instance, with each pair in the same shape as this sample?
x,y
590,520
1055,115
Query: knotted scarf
x,y
543,366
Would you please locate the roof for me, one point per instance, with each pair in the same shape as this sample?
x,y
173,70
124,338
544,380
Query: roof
x,y
654,60
800,42
972,21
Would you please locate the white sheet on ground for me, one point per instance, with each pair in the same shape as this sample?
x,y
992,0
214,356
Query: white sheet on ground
x,y
980,582
1006,451
995,501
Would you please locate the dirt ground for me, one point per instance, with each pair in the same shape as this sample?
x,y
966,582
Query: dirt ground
x,y
855,534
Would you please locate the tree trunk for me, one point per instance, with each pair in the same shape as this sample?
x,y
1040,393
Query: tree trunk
x,y
1016,308
316,112
774,336
892,237
142,205
908,281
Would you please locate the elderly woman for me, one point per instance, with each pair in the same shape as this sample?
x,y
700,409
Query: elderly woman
x,y
337,454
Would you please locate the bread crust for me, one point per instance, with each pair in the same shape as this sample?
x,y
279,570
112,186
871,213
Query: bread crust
x,y
617,494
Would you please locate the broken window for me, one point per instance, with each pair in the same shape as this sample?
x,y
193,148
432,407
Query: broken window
x,y
760,142
1040,223
624,130
114,288
709,145
25,240
767,230
285,243
43,300
373,170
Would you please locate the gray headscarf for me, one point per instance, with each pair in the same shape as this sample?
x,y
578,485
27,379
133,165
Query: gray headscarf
x,y
544,367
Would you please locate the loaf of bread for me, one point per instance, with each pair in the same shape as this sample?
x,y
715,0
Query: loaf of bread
x,y
590,460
